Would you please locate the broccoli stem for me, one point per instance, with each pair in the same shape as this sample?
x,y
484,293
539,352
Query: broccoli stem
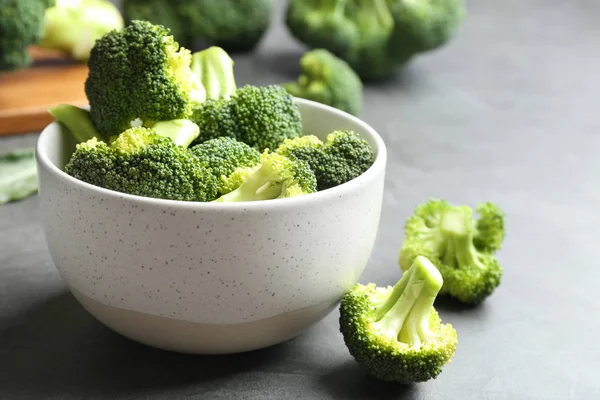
x,y
404,315
181,131
458,229
213,68
375,13
264,184
77,121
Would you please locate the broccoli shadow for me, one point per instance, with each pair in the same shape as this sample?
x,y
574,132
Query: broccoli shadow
x,y
349,381
58,350
450,304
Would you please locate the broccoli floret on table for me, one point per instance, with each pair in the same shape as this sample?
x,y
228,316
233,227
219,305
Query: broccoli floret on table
x,y
21,25
462,248
328,79
375,36
395,333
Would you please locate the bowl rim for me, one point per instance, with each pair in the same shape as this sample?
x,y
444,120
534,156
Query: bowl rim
x,y
379,164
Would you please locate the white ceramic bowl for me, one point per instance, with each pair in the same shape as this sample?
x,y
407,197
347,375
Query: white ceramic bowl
x,y
204,277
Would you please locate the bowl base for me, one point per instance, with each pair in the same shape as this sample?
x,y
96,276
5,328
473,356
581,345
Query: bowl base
x,y
198,338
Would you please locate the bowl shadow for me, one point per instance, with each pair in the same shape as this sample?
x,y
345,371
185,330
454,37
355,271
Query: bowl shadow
x,y
58,350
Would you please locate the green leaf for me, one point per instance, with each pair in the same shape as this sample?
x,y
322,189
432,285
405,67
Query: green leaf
x,y
18,175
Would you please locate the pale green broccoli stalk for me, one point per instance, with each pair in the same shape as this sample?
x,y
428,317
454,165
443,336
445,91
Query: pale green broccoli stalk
x,y
460,247
143,163
376,37
225,156
77,121
73,26
21,25
329,80
343,157
213,68
139,74
395,333
18,175
181,131
277,177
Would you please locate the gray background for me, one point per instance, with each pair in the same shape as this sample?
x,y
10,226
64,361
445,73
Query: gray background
x,y
508,112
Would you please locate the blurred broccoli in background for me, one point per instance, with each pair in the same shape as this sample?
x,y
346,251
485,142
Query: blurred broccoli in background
x,y
328,79
375,36
21,24
73,26
235,25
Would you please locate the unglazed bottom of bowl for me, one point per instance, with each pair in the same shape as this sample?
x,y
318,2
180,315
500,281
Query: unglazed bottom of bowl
x,y
197,338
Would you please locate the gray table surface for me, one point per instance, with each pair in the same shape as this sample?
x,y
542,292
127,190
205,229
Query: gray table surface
x,y
508,112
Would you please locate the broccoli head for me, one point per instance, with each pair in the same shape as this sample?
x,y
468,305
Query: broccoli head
x,y
343,157
224,156
139,74
235,25
329,80
375,36
159,12
73,26
143,163
260,116
460,247
21,25
395,333
276,177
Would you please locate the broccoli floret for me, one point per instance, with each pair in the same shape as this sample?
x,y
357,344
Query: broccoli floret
x,y
159,12
139,73
265,116
224,156
235,25
260,116
21,24
375,36
143,163
276,177
395,333
77,121
329,80
73,26
343,157
460,247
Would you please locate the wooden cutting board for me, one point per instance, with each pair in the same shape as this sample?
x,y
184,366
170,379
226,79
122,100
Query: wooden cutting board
x,y
26,95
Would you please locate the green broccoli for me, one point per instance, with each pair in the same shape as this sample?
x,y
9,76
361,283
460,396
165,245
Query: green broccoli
x,y
143,163
460,247
181,131
343,157
235,25
158,12
276,177
395,333
224,156
329,80
140,74
375,36
73,26
260,116
265,116
21,25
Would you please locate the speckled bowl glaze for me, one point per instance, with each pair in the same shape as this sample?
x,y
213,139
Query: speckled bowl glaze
x,y
205,277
